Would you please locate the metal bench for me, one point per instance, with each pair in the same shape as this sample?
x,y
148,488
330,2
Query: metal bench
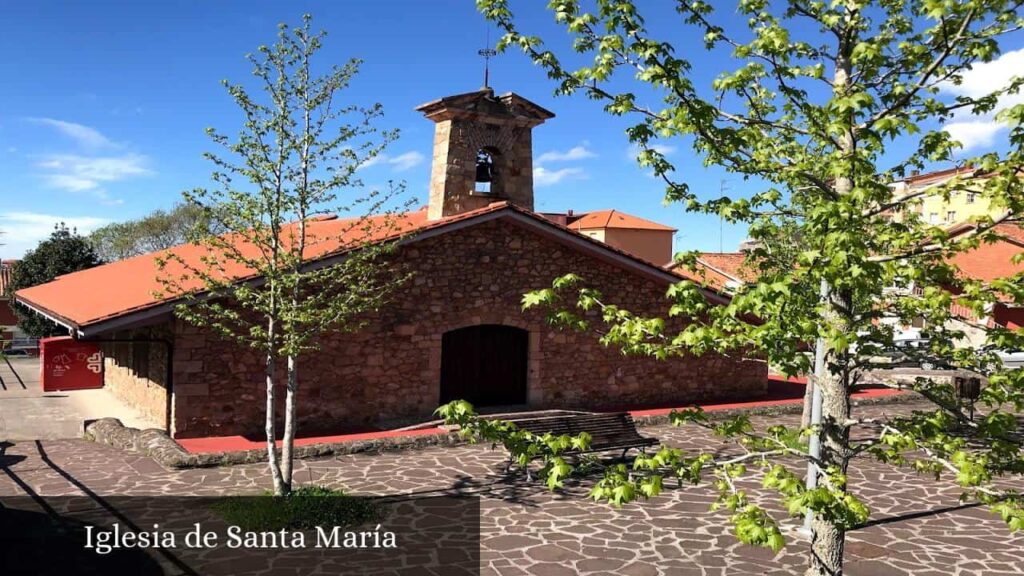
x,y
608,432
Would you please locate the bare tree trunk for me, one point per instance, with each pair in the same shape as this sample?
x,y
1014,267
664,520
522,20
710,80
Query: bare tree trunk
x,y
826,549
827,539
271,368
805,417
290,425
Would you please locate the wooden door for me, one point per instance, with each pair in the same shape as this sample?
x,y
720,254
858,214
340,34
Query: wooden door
x,y
484,365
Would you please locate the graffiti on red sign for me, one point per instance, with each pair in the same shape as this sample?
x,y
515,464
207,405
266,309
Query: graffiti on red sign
x,y
69,364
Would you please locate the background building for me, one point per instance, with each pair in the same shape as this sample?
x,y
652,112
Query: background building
x,y
934,208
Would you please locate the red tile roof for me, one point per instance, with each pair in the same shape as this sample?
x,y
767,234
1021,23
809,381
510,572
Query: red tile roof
x,y
939,175
109,291
988,262
732,263
719,269
615,219
96,294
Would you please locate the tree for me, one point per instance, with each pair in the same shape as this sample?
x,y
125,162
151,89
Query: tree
x,y
826,104
295,156
158,230
64,252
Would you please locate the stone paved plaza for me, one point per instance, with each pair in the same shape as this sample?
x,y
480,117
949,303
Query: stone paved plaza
x,y
917,526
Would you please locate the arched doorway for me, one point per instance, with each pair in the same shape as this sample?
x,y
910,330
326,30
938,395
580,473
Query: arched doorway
x,y
485,365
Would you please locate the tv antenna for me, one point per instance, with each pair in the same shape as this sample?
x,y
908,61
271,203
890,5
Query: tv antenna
x,y
723,185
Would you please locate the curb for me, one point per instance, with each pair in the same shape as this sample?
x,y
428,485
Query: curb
x,y
779,410
156,444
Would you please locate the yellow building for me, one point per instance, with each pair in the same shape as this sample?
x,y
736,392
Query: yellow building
x,y
933,208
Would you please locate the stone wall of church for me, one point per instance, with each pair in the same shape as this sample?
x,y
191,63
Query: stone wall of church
x,y
389,372
453,166
135,370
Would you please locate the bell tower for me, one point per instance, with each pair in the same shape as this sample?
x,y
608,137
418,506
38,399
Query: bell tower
x,y
483,151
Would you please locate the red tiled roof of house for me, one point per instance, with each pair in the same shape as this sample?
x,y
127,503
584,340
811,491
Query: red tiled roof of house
x,y
988,261
615,219
109,291
939,175
705,276
719,270
732,263
1012,232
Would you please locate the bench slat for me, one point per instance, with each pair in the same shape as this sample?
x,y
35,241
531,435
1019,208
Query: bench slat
x,y
607,431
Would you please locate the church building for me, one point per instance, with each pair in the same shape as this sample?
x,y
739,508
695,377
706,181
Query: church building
x,y
456,329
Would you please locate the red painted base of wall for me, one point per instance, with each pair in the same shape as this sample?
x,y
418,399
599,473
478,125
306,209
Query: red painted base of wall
x,y
780,392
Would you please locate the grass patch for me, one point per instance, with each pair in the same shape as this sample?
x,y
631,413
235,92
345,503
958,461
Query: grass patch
x,y
305,508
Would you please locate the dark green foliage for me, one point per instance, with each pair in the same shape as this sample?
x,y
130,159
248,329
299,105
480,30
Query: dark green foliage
x,y
63,252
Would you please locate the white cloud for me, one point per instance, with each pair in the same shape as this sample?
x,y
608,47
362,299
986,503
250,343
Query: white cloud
x,y
76,173
22,231
580,152
406,161
979,131
544,177
84,136
974,134
399,163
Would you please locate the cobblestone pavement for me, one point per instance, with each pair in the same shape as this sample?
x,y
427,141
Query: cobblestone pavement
x,y
918,526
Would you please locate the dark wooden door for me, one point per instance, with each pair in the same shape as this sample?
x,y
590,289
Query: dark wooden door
x,y
484,365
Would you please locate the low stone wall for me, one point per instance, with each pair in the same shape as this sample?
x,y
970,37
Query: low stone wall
x,y
797,408
158,445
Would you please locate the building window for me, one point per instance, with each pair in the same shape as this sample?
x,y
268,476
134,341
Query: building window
x,y
970,197
933,218
951,216
484,170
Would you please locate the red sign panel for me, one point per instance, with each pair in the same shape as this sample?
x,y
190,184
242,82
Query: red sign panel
x,y
68,364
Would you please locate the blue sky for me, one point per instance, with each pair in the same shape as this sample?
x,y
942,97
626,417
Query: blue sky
x,y
104,106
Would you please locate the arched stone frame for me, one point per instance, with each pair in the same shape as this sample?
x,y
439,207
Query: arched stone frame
x,y
496,185
499,140
534,360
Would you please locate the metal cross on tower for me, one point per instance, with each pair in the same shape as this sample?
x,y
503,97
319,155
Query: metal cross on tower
x,y
487,53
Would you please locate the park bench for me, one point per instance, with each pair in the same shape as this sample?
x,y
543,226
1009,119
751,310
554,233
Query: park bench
x,y
608,432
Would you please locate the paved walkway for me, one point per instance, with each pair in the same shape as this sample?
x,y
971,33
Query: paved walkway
x,y
918,526
28,413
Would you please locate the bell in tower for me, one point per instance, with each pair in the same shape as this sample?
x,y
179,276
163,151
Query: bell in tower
x,y
484,171
483,151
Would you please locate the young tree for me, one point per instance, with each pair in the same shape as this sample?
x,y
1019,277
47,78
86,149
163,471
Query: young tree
x,y
157,230
64,252
826,103
261,283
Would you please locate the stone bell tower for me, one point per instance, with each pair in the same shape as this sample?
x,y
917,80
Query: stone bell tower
x,y
483,151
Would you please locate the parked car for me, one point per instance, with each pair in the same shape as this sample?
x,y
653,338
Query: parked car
x,y
914,353
1011,359
20,347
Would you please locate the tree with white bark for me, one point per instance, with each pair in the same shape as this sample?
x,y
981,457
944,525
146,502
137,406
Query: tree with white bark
x,y
826,103
262,281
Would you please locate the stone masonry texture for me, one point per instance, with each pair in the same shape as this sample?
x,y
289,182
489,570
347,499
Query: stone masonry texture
x,y
389,372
